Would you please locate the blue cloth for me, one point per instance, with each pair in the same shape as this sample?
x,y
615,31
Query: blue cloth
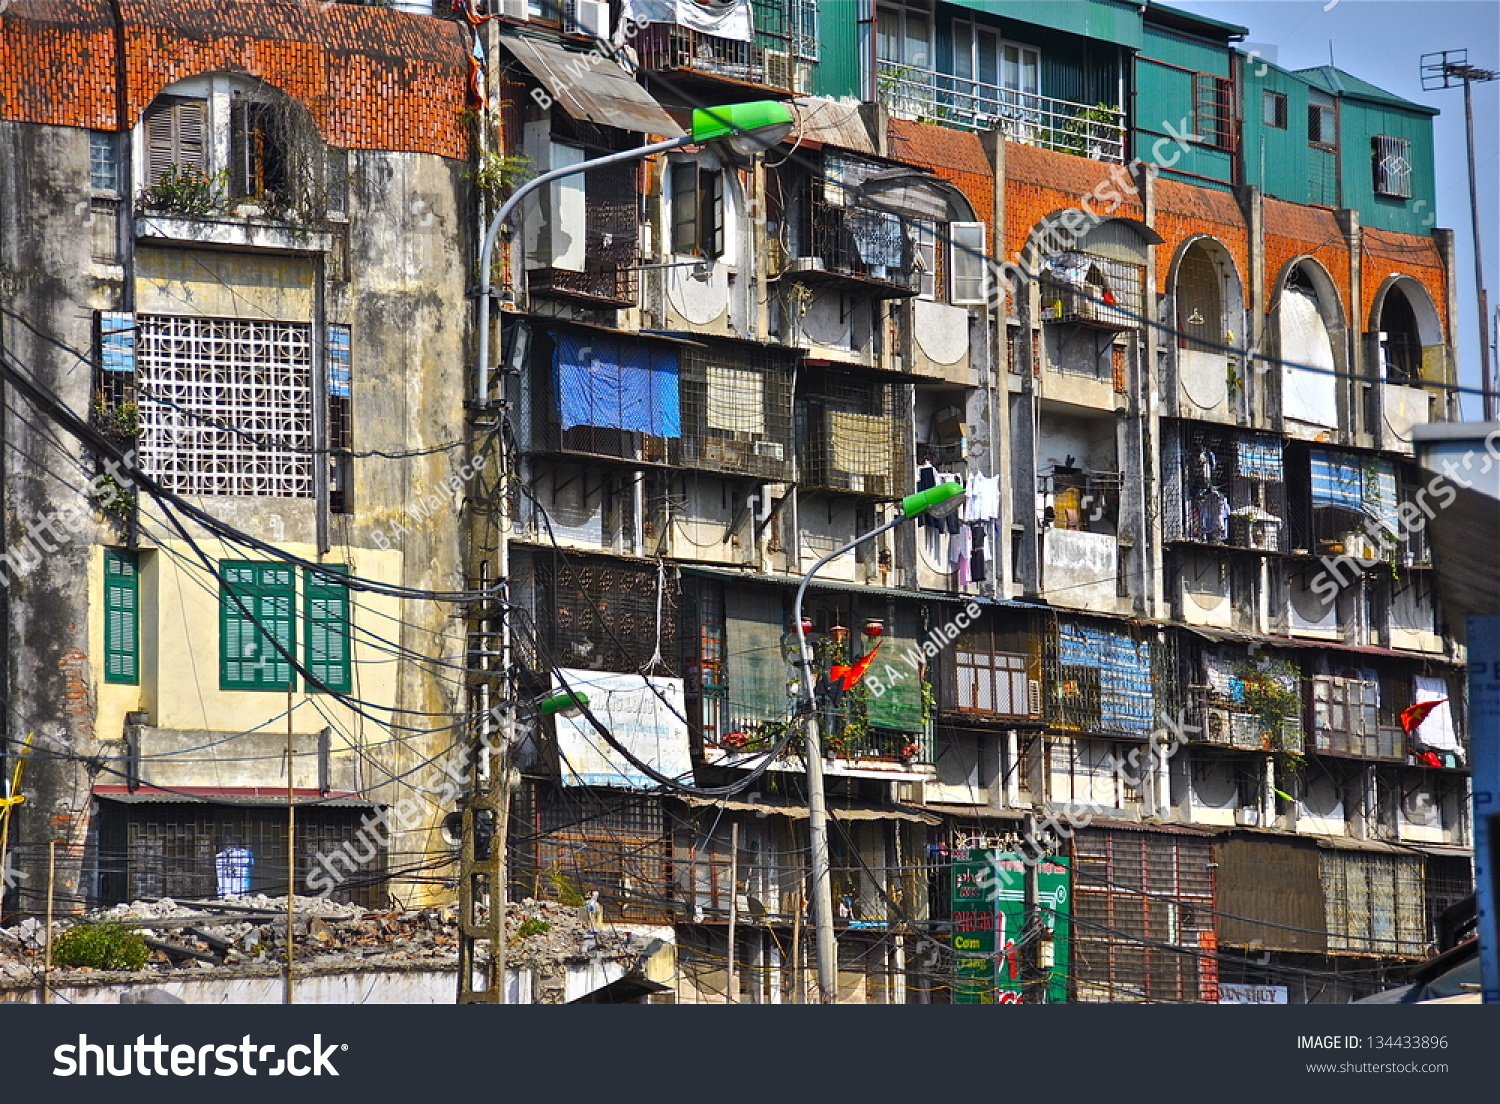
x,y
1260,458
340,375
616,385
117,341
1127,702
1337,481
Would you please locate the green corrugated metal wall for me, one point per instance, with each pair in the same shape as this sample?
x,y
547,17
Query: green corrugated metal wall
x,y
1164,71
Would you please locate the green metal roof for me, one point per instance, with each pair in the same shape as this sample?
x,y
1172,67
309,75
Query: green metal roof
x,y
1117,21
1340,83
1185,20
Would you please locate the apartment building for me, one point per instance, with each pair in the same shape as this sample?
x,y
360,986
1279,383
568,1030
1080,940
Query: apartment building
x,y
1168,312
232,256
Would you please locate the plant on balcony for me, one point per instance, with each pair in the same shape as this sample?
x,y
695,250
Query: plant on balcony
x,y
1271,694
184,190
1080,134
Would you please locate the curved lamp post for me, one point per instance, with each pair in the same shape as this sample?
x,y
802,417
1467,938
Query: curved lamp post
x,y
745,128
937,501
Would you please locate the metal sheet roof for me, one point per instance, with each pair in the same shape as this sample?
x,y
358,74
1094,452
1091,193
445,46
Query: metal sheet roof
x,y
833,123
589,86
243,800
799,812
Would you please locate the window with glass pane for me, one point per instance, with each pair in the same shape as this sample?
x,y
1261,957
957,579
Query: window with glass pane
x,y
991,682
104,163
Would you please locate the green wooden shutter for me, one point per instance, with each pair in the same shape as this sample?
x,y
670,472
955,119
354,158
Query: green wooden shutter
x,y
251,627
122,605
326,608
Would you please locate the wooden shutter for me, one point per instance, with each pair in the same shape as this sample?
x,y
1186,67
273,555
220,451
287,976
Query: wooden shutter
x,y
122,617
326,608
685,207
257,605
176,134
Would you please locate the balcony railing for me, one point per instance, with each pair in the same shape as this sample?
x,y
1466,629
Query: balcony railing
x,y
668,47
1088,130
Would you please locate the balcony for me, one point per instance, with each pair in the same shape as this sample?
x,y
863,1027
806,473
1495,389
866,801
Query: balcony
x,y
1094,131
776,59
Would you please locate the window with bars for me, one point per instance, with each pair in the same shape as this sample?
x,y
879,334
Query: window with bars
x,y
1322,120
1273,109
1391,159
122,615
1213,110
226,405
993,683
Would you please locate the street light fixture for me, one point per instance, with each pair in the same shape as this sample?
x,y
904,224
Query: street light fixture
x,y
935,501
745,128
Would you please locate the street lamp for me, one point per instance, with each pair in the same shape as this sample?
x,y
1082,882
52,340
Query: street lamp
x,y
745,128
937,501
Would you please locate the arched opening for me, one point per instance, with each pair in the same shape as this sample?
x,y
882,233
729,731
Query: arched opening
x,y
1407,332
1309,328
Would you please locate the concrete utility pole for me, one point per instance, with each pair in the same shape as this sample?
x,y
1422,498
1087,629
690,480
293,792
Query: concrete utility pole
x,y
1443,71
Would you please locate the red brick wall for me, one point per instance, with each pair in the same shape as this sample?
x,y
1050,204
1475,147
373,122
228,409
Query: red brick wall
x,y
1039,183
371,78
1388,254
1184,211
955,155
1292,231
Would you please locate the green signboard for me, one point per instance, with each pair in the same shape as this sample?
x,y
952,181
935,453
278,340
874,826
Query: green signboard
x,y
989,920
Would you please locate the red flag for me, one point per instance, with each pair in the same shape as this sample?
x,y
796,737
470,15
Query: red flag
x,y
853,674
1414,715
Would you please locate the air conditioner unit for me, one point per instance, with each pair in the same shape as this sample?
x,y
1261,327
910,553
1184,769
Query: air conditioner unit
x,y
770,449
1247,818
590,17
780,71
515,9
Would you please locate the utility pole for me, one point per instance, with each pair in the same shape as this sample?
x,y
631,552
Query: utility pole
x,y
1443,70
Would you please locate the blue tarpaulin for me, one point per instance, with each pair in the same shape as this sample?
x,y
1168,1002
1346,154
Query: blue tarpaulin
x,y
616,385
1337,481
1126,698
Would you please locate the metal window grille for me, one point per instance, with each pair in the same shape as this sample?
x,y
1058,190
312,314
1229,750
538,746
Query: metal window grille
x,y
736,412
1322,120
1199,296
1273,109
610,274
218,396
1232,490
849,436
1346,720
593,841
1213,110
1118,929
1375,903
1088,290
1104,681
604,617
173,850
1392,166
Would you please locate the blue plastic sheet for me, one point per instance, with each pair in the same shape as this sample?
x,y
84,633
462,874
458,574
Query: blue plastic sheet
x,y
616,385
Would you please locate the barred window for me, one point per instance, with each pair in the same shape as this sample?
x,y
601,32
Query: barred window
x,y
1213,110
1322,120
226,405
1392,166
1273,109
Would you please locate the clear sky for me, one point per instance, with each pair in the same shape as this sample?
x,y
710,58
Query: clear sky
x,y
1382,41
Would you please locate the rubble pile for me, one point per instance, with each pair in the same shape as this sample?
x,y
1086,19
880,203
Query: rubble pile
x,y
251,931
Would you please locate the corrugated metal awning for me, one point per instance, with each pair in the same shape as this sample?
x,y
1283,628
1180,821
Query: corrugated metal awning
x,y
238,800
843,125
587,86
791,582
799,812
